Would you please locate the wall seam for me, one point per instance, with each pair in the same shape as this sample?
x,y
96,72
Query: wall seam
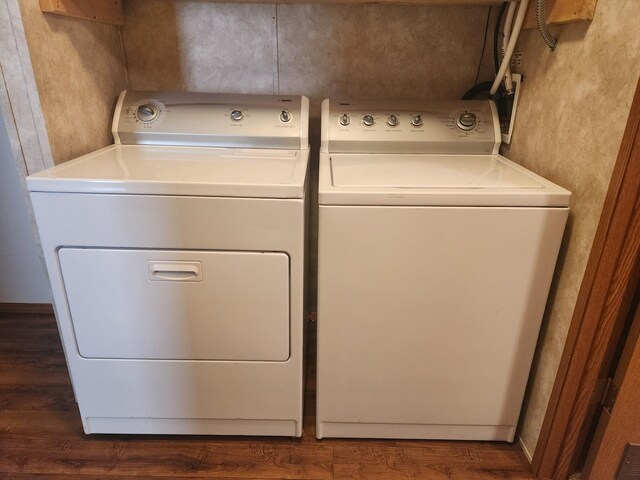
x,y
19,96
19,156
28,88
125,65
524,448
276,52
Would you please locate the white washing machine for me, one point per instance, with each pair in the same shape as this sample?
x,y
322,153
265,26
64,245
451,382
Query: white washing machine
x,y
176,259
435,259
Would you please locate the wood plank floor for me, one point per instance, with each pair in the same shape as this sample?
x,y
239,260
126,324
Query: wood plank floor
x,y
41,435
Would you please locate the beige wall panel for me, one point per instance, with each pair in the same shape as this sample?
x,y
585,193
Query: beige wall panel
x,y
200,46
373,51
571,118
20,104
79,71
378,51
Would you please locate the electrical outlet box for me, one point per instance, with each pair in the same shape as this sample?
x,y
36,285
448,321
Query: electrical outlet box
x,y
516,59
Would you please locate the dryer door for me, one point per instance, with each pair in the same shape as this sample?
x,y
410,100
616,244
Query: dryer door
x,y
178,305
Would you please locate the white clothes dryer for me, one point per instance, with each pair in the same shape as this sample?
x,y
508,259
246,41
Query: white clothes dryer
x,y
436,255
176,258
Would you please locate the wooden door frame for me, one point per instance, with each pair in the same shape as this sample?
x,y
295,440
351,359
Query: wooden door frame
x,y
617,425
602,306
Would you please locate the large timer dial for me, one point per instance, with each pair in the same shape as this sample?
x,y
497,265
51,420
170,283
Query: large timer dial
x,y
147,112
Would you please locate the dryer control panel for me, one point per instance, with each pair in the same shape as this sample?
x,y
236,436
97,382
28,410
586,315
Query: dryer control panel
x,y
459,126
212,120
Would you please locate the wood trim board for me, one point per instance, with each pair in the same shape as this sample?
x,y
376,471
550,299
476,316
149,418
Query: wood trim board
x,y
110,11
106,11
348,2
603,303
41,308
620,424
561,12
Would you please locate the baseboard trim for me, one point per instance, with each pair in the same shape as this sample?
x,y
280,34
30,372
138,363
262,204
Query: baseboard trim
x,y
42,308
525,450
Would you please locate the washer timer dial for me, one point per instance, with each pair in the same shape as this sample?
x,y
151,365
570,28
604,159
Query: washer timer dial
x,y
147,112
466,121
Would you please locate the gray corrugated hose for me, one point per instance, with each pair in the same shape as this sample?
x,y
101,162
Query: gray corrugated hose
x,y
541,19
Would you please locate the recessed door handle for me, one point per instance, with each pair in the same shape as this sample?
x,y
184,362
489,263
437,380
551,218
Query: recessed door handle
x,y
175,271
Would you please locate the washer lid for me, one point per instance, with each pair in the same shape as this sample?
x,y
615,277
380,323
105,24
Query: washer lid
x,y
452,180
160,170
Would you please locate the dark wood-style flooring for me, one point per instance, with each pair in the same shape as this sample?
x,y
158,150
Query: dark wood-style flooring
x,y
41,435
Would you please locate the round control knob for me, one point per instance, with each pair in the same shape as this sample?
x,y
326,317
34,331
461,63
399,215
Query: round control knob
x,y
344,120
285,116
147,112
466,121
392,121
416,121
368,120
237,115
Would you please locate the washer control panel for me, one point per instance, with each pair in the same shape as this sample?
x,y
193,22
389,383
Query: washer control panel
x,y
459,126
207,119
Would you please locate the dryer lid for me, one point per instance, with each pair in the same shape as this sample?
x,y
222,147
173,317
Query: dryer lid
x,y
438,180
160,170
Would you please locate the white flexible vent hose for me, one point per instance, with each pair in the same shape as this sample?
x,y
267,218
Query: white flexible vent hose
x,y
508,53
508,23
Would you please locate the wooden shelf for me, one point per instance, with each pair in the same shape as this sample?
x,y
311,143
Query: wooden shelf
x,y
561,11
110,11
106,11
389,2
